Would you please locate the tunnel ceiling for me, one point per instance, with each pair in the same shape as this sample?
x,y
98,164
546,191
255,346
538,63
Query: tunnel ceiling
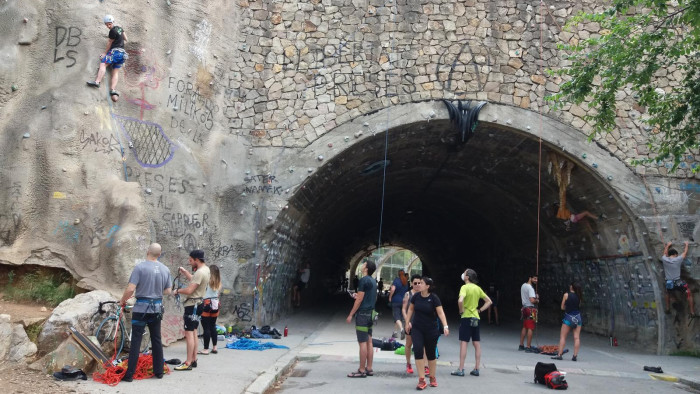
x,y
443,200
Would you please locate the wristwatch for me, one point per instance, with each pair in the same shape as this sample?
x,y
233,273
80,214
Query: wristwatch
x,y
447,328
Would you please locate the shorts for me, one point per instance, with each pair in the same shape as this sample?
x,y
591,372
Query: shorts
x,y
397,310
363,326
528,315
468,329
573,320
191,318
116,57
301,285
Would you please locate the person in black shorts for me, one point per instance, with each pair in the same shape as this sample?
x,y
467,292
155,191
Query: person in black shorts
x,y
362,309
115,56
422,324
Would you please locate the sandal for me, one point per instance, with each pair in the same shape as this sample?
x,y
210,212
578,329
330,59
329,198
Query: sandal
x,y
203,352
370,372
215,351
357,374
113,93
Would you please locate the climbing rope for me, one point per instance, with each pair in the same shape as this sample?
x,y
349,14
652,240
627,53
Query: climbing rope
x,y
115,373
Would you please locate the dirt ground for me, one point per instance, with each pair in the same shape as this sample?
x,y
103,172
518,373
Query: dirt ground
x,y
16,378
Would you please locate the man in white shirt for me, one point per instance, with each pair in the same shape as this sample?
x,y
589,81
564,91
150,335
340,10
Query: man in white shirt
x,y
529,312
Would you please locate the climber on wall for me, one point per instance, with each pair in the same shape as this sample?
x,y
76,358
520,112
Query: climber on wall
x,y
115,56
672,272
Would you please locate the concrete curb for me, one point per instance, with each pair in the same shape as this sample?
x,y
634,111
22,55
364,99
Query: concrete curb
x,y
268,377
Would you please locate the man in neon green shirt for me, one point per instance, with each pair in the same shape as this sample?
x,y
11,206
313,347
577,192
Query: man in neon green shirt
x,y
468,302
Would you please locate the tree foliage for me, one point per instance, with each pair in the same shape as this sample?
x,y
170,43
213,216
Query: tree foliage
x,y
639,40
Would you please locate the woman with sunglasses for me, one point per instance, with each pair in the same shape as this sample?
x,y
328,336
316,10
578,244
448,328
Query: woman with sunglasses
x,y
422,324
415,288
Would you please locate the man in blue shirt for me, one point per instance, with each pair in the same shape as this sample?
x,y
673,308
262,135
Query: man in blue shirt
x,y
362,309
150,280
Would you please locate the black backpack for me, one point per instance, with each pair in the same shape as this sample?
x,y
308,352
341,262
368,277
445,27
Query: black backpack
x,y
542,369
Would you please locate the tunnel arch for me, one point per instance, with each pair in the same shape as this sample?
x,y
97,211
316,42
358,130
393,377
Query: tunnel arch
x,y
473,204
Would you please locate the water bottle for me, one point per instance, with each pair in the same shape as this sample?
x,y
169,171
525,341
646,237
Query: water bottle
x,y
286,331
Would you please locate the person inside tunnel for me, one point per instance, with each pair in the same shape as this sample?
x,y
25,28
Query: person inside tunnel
x,y
672,272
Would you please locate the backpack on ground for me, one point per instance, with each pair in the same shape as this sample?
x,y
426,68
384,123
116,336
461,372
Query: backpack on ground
x,y
556,380
542,369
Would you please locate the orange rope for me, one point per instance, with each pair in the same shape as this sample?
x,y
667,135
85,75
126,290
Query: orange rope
x,y
115,373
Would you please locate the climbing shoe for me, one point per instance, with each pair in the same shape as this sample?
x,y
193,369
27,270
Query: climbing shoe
x,y
409,369
183,367
93,84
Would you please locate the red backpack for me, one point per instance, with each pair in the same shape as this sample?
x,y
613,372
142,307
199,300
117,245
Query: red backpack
x,y
556,380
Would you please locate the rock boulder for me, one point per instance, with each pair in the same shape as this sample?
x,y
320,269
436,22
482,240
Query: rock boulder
x,y
75,312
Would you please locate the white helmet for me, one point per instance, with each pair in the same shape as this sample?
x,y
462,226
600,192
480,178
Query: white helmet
x,y
108,19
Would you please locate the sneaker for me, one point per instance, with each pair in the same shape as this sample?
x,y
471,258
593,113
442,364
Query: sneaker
x,y
421,384
459,372
474,372
532,350
521,347
427,370
433,381
403,334
559,358
183,367
573,358
159,376
194,364
409,369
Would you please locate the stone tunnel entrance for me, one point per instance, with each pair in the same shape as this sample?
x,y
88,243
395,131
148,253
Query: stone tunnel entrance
x,y
476,205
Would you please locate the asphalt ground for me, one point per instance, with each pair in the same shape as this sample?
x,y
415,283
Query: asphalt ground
x,y
323,349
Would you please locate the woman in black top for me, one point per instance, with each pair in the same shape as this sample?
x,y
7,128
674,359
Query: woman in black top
x,y
570,304
422,325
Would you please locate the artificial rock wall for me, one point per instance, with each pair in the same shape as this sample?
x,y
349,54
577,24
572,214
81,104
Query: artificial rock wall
x,y
219,98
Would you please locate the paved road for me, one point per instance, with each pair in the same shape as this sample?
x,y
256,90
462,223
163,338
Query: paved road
x,y
323,350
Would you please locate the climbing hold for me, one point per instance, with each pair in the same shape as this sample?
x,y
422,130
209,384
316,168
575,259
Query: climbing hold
x,y
310,170
610,177
320,158
169,52
243,194
148,191
25,20
204,185
358,134
330,144
131,144
43,107
25,135
286,207
14,88
366,124
346,139
64,170
269,218
247,172
595,165
509,121
175,108
528,127
583,156
287,191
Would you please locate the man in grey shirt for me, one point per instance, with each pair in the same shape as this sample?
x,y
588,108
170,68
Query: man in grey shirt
x,y
150,280
672,272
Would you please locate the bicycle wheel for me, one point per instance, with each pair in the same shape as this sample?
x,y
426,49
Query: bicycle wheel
x,y
106,333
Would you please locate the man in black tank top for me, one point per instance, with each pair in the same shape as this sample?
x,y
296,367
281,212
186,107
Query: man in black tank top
x,y
115,56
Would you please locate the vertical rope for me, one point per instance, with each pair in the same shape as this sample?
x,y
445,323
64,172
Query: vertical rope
x,y
388,74
539,166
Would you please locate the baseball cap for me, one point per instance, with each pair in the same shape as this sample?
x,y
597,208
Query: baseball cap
x,y
197,254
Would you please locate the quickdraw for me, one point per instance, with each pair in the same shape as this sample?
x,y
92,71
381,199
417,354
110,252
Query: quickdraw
x,y
177,285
